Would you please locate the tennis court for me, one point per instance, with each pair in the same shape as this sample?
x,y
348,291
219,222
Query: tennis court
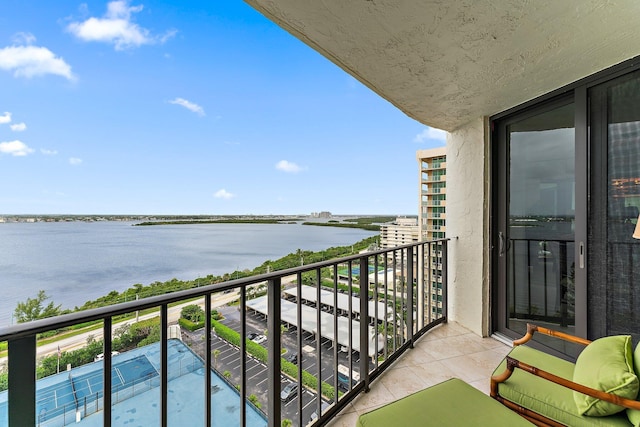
x,y
53,400
123,374
62,397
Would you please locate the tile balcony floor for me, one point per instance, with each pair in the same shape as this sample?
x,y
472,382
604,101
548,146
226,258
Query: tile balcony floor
x,y
447,351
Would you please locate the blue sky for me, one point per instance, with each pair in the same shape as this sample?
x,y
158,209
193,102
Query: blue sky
x,y
198,107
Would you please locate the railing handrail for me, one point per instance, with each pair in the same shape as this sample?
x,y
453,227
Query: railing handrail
x,y
43,325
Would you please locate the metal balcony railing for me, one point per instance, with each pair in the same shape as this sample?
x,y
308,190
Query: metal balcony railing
x,y
345,320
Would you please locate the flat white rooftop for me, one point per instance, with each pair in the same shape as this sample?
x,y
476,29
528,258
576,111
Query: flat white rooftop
x,y
327,328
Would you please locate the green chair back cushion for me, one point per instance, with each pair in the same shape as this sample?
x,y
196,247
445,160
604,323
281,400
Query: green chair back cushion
x,y
607,365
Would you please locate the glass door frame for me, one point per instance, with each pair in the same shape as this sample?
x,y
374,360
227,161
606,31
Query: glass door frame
x,y
584,160
499,206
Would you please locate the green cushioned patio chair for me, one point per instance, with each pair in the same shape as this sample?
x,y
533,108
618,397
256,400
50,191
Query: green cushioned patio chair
x,y
599,389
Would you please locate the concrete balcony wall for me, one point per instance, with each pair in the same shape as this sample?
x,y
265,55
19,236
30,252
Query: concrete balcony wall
x,y
468,221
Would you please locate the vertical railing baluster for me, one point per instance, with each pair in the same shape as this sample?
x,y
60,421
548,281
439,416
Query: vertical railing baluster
x,y
335,331
22,381
419,286
395,301
364,322
318,347
430,281
350,346
375,301
243,355
410,295
386,304
273,350
403,296
444,279
207,360
299,318
164,365
107,367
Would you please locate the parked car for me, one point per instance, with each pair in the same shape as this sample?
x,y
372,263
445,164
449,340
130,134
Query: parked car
x,y
344,378
314,416
259,339
293,358
252,335
288,392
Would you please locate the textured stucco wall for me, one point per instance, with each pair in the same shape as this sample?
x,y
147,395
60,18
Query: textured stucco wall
x,y
467,225
446,62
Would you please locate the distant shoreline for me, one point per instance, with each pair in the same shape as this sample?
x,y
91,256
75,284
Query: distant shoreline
x,y
369,224
218,221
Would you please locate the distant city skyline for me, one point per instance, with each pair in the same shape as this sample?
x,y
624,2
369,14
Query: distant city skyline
x,y
198,108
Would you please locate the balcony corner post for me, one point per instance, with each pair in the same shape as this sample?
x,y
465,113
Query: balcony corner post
x,y
22,381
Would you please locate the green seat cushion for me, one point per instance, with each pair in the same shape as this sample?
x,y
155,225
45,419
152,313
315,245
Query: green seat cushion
x,y
451,403
545,397
606,365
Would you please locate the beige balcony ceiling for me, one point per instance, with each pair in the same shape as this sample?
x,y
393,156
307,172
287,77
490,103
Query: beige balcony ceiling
x,y
447,62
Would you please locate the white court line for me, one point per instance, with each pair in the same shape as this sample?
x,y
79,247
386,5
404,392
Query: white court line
x,y
120,377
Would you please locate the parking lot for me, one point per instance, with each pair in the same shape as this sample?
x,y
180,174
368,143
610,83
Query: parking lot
x,y
228,359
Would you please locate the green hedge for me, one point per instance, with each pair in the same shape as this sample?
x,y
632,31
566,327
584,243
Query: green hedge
x,y
189,325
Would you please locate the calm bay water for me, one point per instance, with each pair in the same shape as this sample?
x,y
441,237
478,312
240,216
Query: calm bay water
x,y
79,261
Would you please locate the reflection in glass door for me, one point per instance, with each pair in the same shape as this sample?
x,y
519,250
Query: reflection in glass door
x,y
614,255
539,236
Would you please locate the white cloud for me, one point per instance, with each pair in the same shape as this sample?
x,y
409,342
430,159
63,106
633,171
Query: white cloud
x,y
23,38
74,161
117,28
430,133
48,152
31,61
15,148
223,194
18,127
286,166
5,118
188,105
167,36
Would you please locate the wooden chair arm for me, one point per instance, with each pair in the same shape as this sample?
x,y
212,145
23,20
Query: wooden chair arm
x,y
500,378
531,328
598,394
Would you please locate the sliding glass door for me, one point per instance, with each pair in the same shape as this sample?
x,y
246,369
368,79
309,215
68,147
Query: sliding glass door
x,y
566,200
536,241
614,255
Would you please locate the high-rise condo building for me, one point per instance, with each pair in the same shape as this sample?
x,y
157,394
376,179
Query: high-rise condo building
x,y
432,214
402,231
